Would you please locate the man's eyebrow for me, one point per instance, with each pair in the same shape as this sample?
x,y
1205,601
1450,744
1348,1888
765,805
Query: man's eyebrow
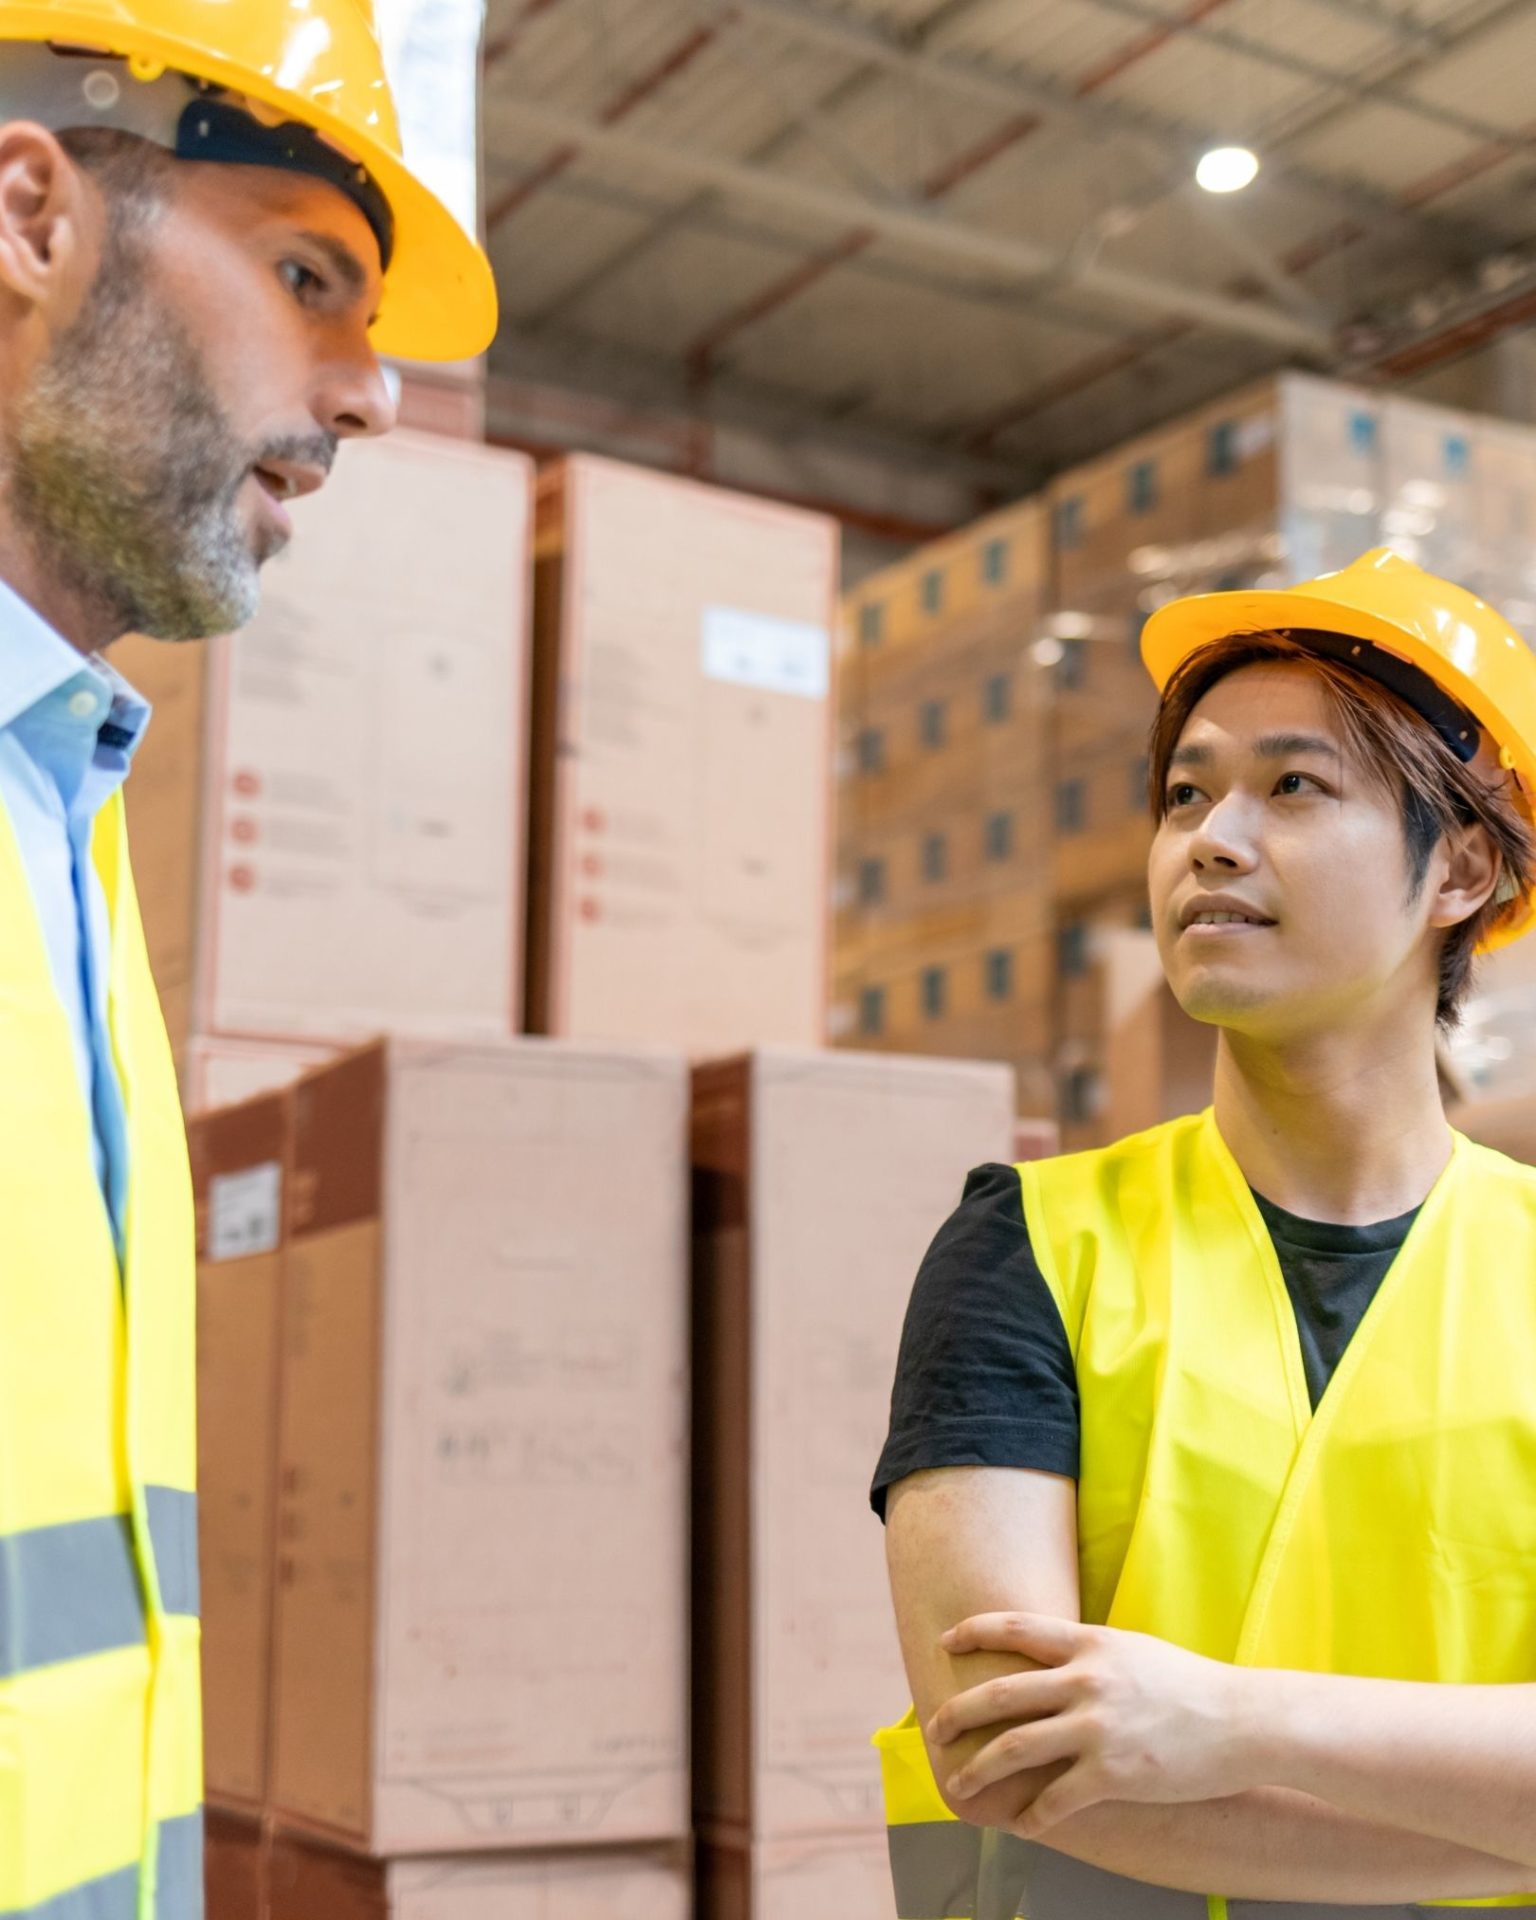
x,y
1269,746
342,261
1281,746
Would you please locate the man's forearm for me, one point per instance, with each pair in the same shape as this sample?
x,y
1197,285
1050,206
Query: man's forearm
x,y
1275,1844
1456,1762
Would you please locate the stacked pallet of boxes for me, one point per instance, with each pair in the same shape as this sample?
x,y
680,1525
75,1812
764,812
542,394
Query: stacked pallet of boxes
x,y
943,907
442,1353
1185,509
819,1179
443,1278
327,812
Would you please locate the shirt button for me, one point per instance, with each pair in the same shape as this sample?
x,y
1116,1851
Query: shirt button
x,y
82,704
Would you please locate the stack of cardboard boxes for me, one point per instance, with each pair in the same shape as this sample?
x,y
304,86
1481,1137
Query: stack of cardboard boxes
x,y
819,1179
944,767
442,1363
327,813
333,812
1286,480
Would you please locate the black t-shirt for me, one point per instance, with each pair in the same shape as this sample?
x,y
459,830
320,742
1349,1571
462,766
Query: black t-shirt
x,y
985,1377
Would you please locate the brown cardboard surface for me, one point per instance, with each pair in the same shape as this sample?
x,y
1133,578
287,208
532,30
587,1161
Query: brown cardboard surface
x,y
233,1867
820,1179
483,1451
327,810
218,1072
830,1877
314,1883
687,840
239,1304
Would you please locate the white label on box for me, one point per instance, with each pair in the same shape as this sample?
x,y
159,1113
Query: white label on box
x,y
245,1211
757,650
1254,435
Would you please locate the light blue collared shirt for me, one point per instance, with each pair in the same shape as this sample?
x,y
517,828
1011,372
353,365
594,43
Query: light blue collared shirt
x,y
69,727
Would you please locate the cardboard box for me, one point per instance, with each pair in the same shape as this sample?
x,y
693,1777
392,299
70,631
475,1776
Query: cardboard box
x,y
241,1171
221,1073
680,852
819,1180
481,1620
829,1877
327,810
234,1867
313,1883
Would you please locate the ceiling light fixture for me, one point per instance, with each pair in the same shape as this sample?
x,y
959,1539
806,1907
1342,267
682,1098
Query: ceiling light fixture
x,y
1227,169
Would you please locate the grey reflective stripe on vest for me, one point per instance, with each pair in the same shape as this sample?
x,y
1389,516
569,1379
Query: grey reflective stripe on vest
x,y
66,1592
179,1882
934,1866
946,1870
70,1591
173,1534
1057,1886
114,1897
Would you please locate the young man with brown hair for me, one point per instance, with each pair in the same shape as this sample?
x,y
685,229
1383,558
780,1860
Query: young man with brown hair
x,y
1210,1488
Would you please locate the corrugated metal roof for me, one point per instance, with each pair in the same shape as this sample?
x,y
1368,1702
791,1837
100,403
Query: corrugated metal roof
x,y
1003,192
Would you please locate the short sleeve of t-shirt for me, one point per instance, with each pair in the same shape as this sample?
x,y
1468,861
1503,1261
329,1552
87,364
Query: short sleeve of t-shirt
x,y
985,1375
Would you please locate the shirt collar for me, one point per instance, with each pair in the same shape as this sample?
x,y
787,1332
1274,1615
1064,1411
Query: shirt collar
x,y
36,660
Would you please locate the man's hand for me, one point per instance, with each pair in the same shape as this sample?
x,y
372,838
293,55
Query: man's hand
x,y
1130,1718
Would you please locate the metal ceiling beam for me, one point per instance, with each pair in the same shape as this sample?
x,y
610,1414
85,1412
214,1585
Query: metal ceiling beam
x,y
632,95
980,154
925,233
656,383
1372,13
1361,90
1013,88
841,91
989,294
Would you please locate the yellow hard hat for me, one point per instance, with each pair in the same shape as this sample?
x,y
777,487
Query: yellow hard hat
x,y
1446,653
307,67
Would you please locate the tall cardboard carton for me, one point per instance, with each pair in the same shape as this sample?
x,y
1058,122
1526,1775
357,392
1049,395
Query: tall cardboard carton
x,y
327,809
819,1180
619,1883
481,1627
825,1877
680,848
241,1169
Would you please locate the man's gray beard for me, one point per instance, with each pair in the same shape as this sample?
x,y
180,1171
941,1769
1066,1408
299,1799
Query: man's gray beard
x,y
123,471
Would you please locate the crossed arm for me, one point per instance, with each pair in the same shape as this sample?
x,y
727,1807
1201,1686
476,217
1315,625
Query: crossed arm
x,y
1147,1761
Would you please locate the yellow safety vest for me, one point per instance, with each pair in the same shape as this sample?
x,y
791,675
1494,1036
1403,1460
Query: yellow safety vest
x,y
1391,1533
100,1737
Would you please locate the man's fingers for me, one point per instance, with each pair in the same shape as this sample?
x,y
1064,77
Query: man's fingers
x,y
1074,1791
1036,1635
1017,1750
1010,1696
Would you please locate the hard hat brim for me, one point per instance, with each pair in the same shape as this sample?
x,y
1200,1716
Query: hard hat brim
x,y
439,300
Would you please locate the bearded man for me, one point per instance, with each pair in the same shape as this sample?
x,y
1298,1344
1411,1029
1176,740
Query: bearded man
x,y
207,233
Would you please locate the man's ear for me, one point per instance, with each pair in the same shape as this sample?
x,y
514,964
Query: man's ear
x,y
45,218
1471,877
